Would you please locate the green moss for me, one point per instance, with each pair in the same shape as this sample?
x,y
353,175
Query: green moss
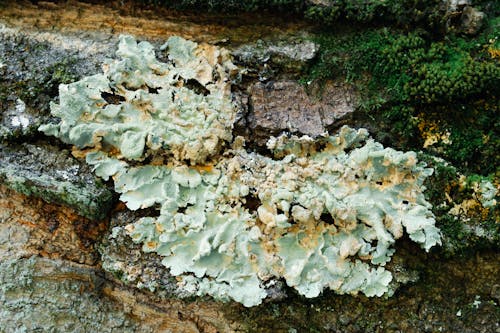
x,y
475,139
401,12
410,67
408,78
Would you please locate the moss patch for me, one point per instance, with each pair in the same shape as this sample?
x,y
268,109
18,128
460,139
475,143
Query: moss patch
x,y
407,79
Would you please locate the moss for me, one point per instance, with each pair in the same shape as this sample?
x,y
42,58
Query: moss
x,y
428,13
62,72
407,79
403,13
410,67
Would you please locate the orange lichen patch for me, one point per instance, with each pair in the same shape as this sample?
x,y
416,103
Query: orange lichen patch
x,y
159,228
28,223
470,208
45,254
432,132
203,168
157,23
129,228
78,153
310,241
54,231
157,160
82,153
494,52
112,151
151,245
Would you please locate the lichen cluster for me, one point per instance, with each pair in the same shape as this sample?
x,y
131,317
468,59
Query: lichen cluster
x,y
143,107
319,213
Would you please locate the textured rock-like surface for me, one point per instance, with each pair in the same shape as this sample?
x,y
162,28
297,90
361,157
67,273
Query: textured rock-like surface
x,y
39,294
266,59
286,106
49,280
461,15
32,65
30,226
471,20
45,172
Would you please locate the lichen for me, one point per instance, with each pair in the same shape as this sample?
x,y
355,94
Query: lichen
x,y
319,213
482,197
141,106
432,133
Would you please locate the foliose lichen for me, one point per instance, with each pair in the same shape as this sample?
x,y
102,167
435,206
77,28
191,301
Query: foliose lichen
x,y
319,213
141,106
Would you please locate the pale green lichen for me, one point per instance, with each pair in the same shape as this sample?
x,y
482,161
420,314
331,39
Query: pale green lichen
x,y
321,213
141,106
488,193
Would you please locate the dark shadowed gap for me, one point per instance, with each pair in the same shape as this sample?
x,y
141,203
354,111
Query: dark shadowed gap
x,y
112,98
